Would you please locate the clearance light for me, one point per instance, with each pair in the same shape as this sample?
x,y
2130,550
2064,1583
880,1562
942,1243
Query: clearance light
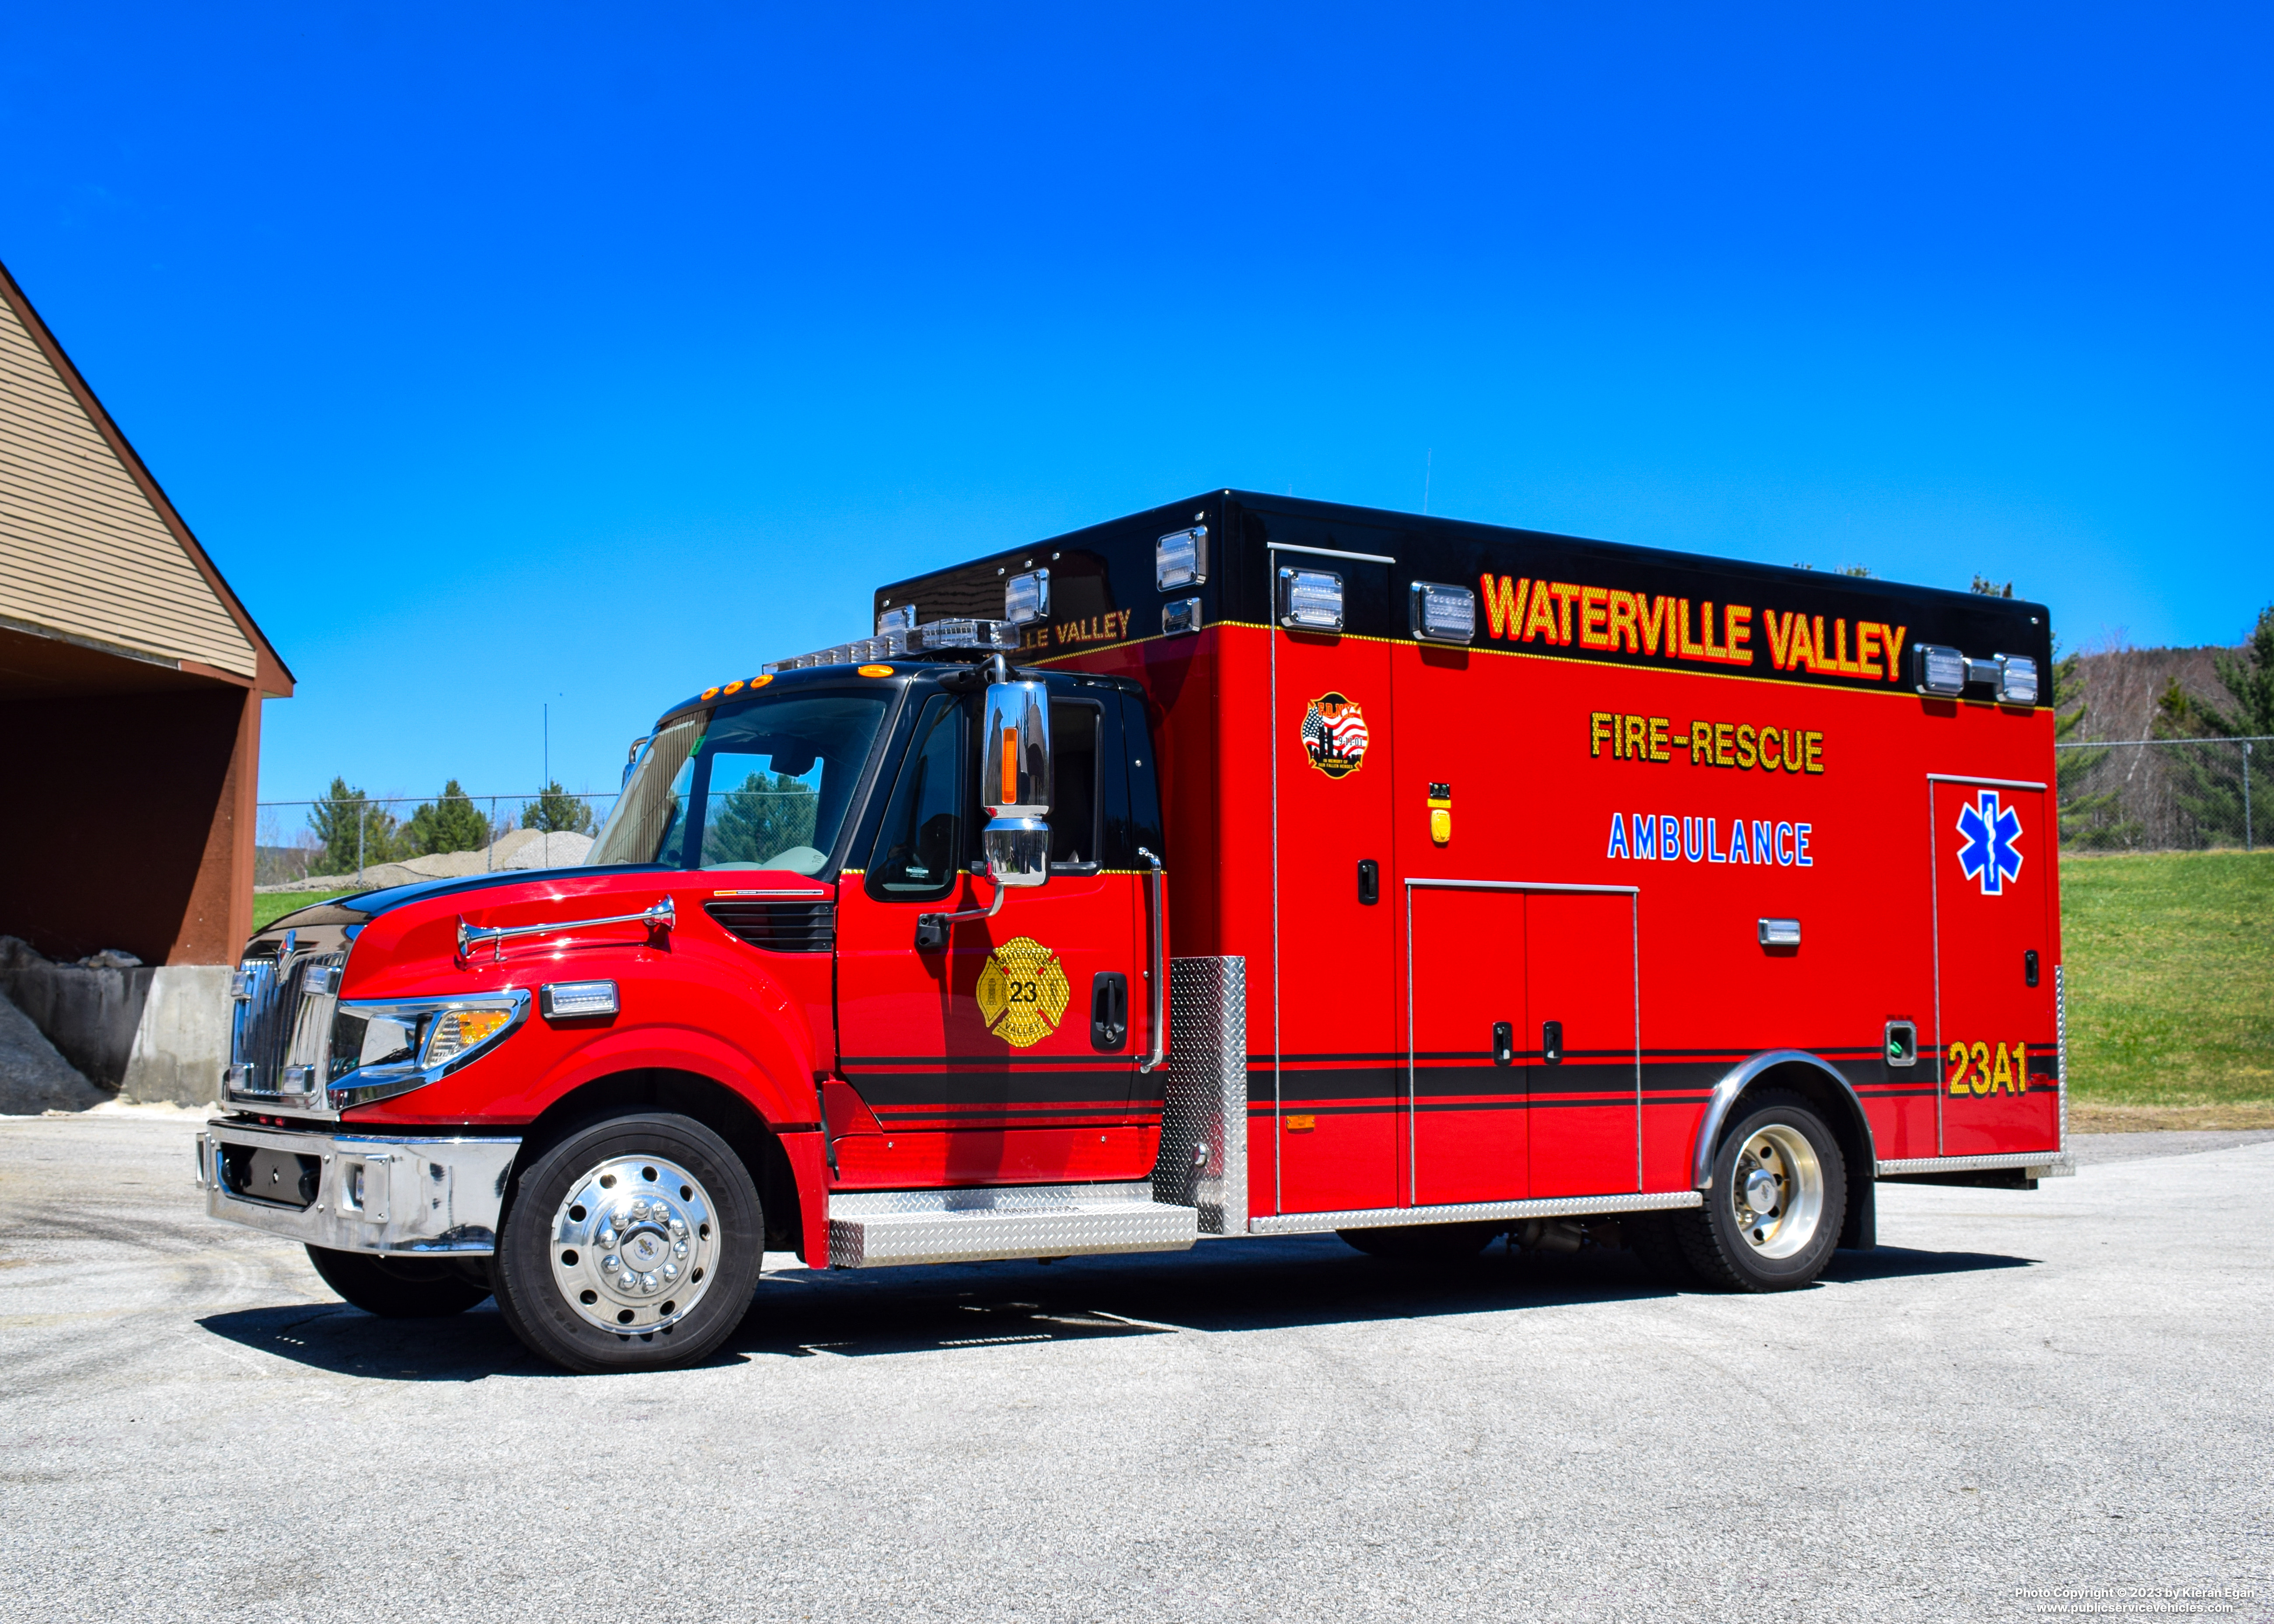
x,y
876,671
1940,671
2017,680
458,1031
572,1000
902,619
710,694
1443,613
762,680
1026,598
1182,616
1181,559
1311,600
731,689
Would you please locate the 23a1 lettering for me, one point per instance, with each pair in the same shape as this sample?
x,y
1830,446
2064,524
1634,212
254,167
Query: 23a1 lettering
x,y
1984,1068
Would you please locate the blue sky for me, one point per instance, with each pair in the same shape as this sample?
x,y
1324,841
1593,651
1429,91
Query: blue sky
x,y
560,355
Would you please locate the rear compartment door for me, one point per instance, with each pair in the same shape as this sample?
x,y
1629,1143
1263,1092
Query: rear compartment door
x,y
1996,1037
1469,1076
1582,1062
1338,1072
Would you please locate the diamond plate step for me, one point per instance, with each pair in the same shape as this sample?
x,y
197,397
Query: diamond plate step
x,y
885,1228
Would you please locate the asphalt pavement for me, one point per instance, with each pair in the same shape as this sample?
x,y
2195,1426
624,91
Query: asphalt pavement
x,y
2065,1391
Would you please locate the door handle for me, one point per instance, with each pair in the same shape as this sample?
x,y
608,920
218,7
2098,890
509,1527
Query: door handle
x,y
1504,1042
2029,968
1370,882
1551,1042
1108,1010
1156,972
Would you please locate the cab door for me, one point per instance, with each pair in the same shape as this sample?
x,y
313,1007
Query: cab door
x,y
1996,1032
996,1049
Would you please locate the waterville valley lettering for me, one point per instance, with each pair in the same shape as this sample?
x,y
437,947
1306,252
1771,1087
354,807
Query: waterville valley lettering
x,y
1561,614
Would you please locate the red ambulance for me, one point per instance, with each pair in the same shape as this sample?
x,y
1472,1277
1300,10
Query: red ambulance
x,y
1247,867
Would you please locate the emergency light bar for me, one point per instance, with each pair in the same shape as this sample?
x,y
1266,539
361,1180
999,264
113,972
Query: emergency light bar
x,y
901,620
2017,680
987,636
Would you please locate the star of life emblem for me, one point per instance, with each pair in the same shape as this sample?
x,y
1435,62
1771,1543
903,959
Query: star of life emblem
x,y
1986,853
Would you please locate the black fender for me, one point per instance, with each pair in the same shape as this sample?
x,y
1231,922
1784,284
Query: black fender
x,y
1820,1082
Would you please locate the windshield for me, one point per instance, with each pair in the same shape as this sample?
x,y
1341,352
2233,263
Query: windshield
x,y
765,783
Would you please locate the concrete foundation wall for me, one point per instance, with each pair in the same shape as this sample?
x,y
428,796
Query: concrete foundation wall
x,y
147,1035
182,1041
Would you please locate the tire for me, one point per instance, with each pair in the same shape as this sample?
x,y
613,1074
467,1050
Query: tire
x,y
1776,1149
1424,1243
397,1288
592,1278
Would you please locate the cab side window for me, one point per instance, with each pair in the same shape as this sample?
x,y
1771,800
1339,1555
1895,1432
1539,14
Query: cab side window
x,y
923,839
1075,835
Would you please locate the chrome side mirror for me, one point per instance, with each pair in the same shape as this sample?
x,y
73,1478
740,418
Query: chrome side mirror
x,y
1015,782
632,759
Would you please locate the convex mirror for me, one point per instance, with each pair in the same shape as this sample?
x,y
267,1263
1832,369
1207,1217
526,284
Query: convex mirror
x,y
1015,782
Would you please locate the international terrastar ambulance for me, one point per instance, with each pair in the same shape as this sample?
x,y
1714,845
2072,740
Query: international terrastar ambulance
x,y
1247,867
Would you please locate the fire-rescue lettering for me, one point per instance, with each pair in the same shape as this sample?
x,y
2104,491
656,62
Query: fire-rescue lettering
x,y
1972,1071
1663,837
1741,745
1518,609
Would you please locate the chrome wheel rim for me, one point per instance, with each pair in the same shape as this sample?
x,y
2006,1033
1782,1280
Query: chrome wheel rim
x,y
635,1244
1776,1190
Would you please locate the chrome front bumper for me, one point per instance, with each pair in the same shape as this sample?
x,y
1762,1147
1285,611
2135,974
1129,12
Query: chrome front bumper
x,y
370,1193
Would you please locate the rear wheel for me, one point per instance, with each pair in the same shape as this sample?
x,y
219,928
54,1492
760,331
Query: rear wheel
x,y
632,1244
1424,1243
397,1288
1773,1213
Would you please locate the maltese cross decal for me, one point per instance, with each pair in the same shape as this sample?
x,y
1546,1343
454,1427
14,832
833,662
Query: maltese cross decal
x,y
1988,853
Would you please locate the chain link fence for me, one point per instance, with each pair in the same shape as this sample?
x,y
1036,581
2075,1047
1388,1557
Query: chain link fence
x,y
358,842
2161,794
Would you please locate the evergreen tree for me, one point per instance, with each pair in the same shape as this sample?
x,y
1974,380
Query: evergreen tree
x,y
451,823
760,820
354,829
2084,815
1990,588
2208,784
556,811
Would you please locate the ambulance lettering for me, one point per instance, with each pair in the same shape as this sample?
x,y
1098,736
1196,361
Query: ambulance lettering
x,y
1665,836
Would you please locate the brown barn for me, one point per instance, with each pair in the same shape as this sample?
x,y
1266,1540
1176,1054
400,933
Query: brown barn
x,y
130,684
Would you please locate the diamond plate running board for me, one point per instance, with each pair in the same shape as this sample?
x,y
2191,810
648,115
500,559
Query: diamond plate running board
x,y
886,1228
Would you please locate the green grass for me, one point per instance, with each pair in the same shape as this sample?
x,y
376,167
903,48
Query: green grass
x,y
2170,977
266,910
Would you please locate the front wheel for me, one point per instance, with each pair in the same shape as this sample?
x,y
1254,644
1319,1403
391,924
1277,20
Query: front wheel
x,y
632,1244
397,1288
1773,1213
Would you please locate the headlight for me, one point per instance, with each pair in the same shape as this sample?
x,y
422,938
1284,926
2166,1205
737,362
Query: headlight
x,y
382,1047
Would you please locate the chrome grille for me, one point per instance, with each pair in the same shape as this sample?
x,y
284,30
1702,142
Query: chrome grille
x,y
780,927
279,1036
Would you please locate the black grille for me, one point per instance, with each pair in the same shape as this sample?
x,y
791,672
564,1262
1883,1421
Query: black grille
x,y
780,927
